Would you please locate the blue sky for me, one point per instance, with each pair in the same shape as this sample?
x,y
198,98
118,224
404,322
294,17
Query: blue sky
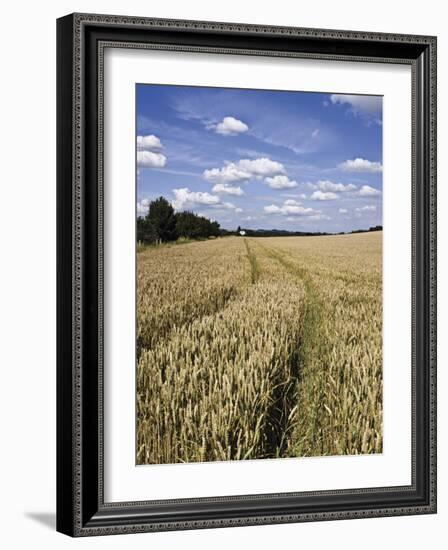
x,y
261,158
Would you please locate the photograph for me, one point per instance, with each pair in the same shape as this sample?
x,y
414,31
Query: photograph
x,y
246,273
259,287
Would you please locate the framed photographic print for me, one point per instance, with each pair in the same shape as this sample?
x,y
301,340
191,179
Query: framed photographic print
x,y
246,274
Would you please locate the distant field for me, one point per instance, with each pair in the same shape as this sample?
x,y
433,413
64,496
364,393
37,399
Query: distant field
x,y
259,348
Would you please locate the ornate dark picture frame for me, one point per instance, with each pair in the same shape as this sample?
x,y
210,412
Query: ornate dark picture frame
x,y
81,509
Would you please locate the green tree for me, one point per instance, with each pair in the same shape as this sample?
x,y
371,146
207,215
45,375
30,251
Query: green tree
x,y
146,232
161,216
192,226
215,229
187,225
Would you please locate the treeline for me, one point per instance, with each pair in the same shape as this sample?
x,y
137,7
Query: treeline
x,y
278,233
162,224
286,233
375,228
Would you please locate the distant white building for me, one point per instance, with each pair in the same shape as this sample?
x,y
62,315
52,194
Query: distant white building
x,y
242,233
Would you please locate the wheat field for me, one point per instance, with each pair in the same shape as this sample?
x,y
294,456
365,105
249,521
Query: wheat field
x,y
254,348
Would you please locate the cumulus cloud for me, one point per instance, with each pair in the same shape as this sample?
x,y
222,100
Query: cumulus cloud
x,y
230,126
262,167
327,185
272,209
291,208
361,105
184,198
343,211
244,170
149,159
360,165
323,196
367,208
225,189
148,152
229,173
142,207
150,143
368,191
280,182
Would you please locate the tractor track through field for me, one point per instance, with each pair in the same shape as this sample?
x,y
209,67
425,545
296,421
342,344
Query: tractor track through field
x,y
254,267
311,342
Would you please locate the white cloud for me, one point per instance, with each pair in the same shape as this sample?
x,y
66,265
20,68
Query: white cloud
x,y
224,189
244,170
184,199
323,196
367,208
272,209
280,182
343,211
367,105
360,165
149,159
230,126
149,143
262,167
227,174
368,191
142,207
327,185
148,152
315,133
291,208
